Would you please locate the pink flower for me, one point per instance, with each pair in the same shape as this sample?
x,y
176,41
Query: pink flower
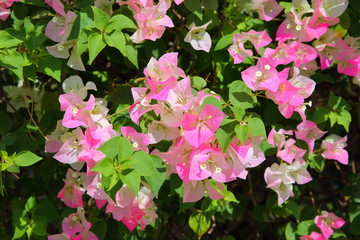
x,y
77,112
263,76
151,20
334,148
199,128
267,9
4,12
277,138
162,69
327,221
290,151
313,236
139,141
198,37
309,132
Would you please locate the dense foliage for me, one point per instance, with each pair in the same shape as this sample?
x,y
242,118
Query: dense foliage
x,y
209,119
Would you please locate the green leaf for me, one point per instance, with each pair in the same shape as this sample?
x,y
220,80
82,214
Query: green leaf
x,y
317,162
26,158
199,223
111,147
131,178
12,60
241,96
100,229
241,132
121,95
117,40
289,231
195,7
125,149
286,6
225,133
210,100
40,226
256,127
48,209
198,82
321,114
131,52
238,112
119,22
96,43
304,226
101,19
225,41
155,182
50,66
19,232
6,123
344,119
7,40
143,163
30,205
105,167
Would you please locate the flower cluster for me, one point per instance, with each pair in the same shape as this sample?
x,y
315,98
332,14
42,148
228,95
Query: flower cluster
x,y
58,30
293,167
183,118
75,226
151,18
77,148
303,23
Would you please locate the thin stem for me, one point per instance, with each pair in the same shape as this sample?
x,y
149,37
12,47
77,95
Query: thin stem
x,y
110,116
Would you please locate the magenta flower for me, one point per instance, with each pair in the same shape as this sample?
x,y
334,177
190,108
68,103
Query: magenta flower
x,y
327,221
313,236
263,76
198,37
199,128
334,148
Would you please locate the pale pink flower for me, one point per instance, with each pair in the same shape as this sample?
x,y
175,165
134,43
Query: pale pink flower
x,y
139,141
327,221
281,177
267,9
334,148
198,37
278,180
277,138
195,190
308,131
162,69
61,50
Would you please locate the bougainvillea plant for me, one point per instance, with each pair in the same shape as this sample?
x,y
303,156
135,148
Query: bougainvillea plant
x,y
184,119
